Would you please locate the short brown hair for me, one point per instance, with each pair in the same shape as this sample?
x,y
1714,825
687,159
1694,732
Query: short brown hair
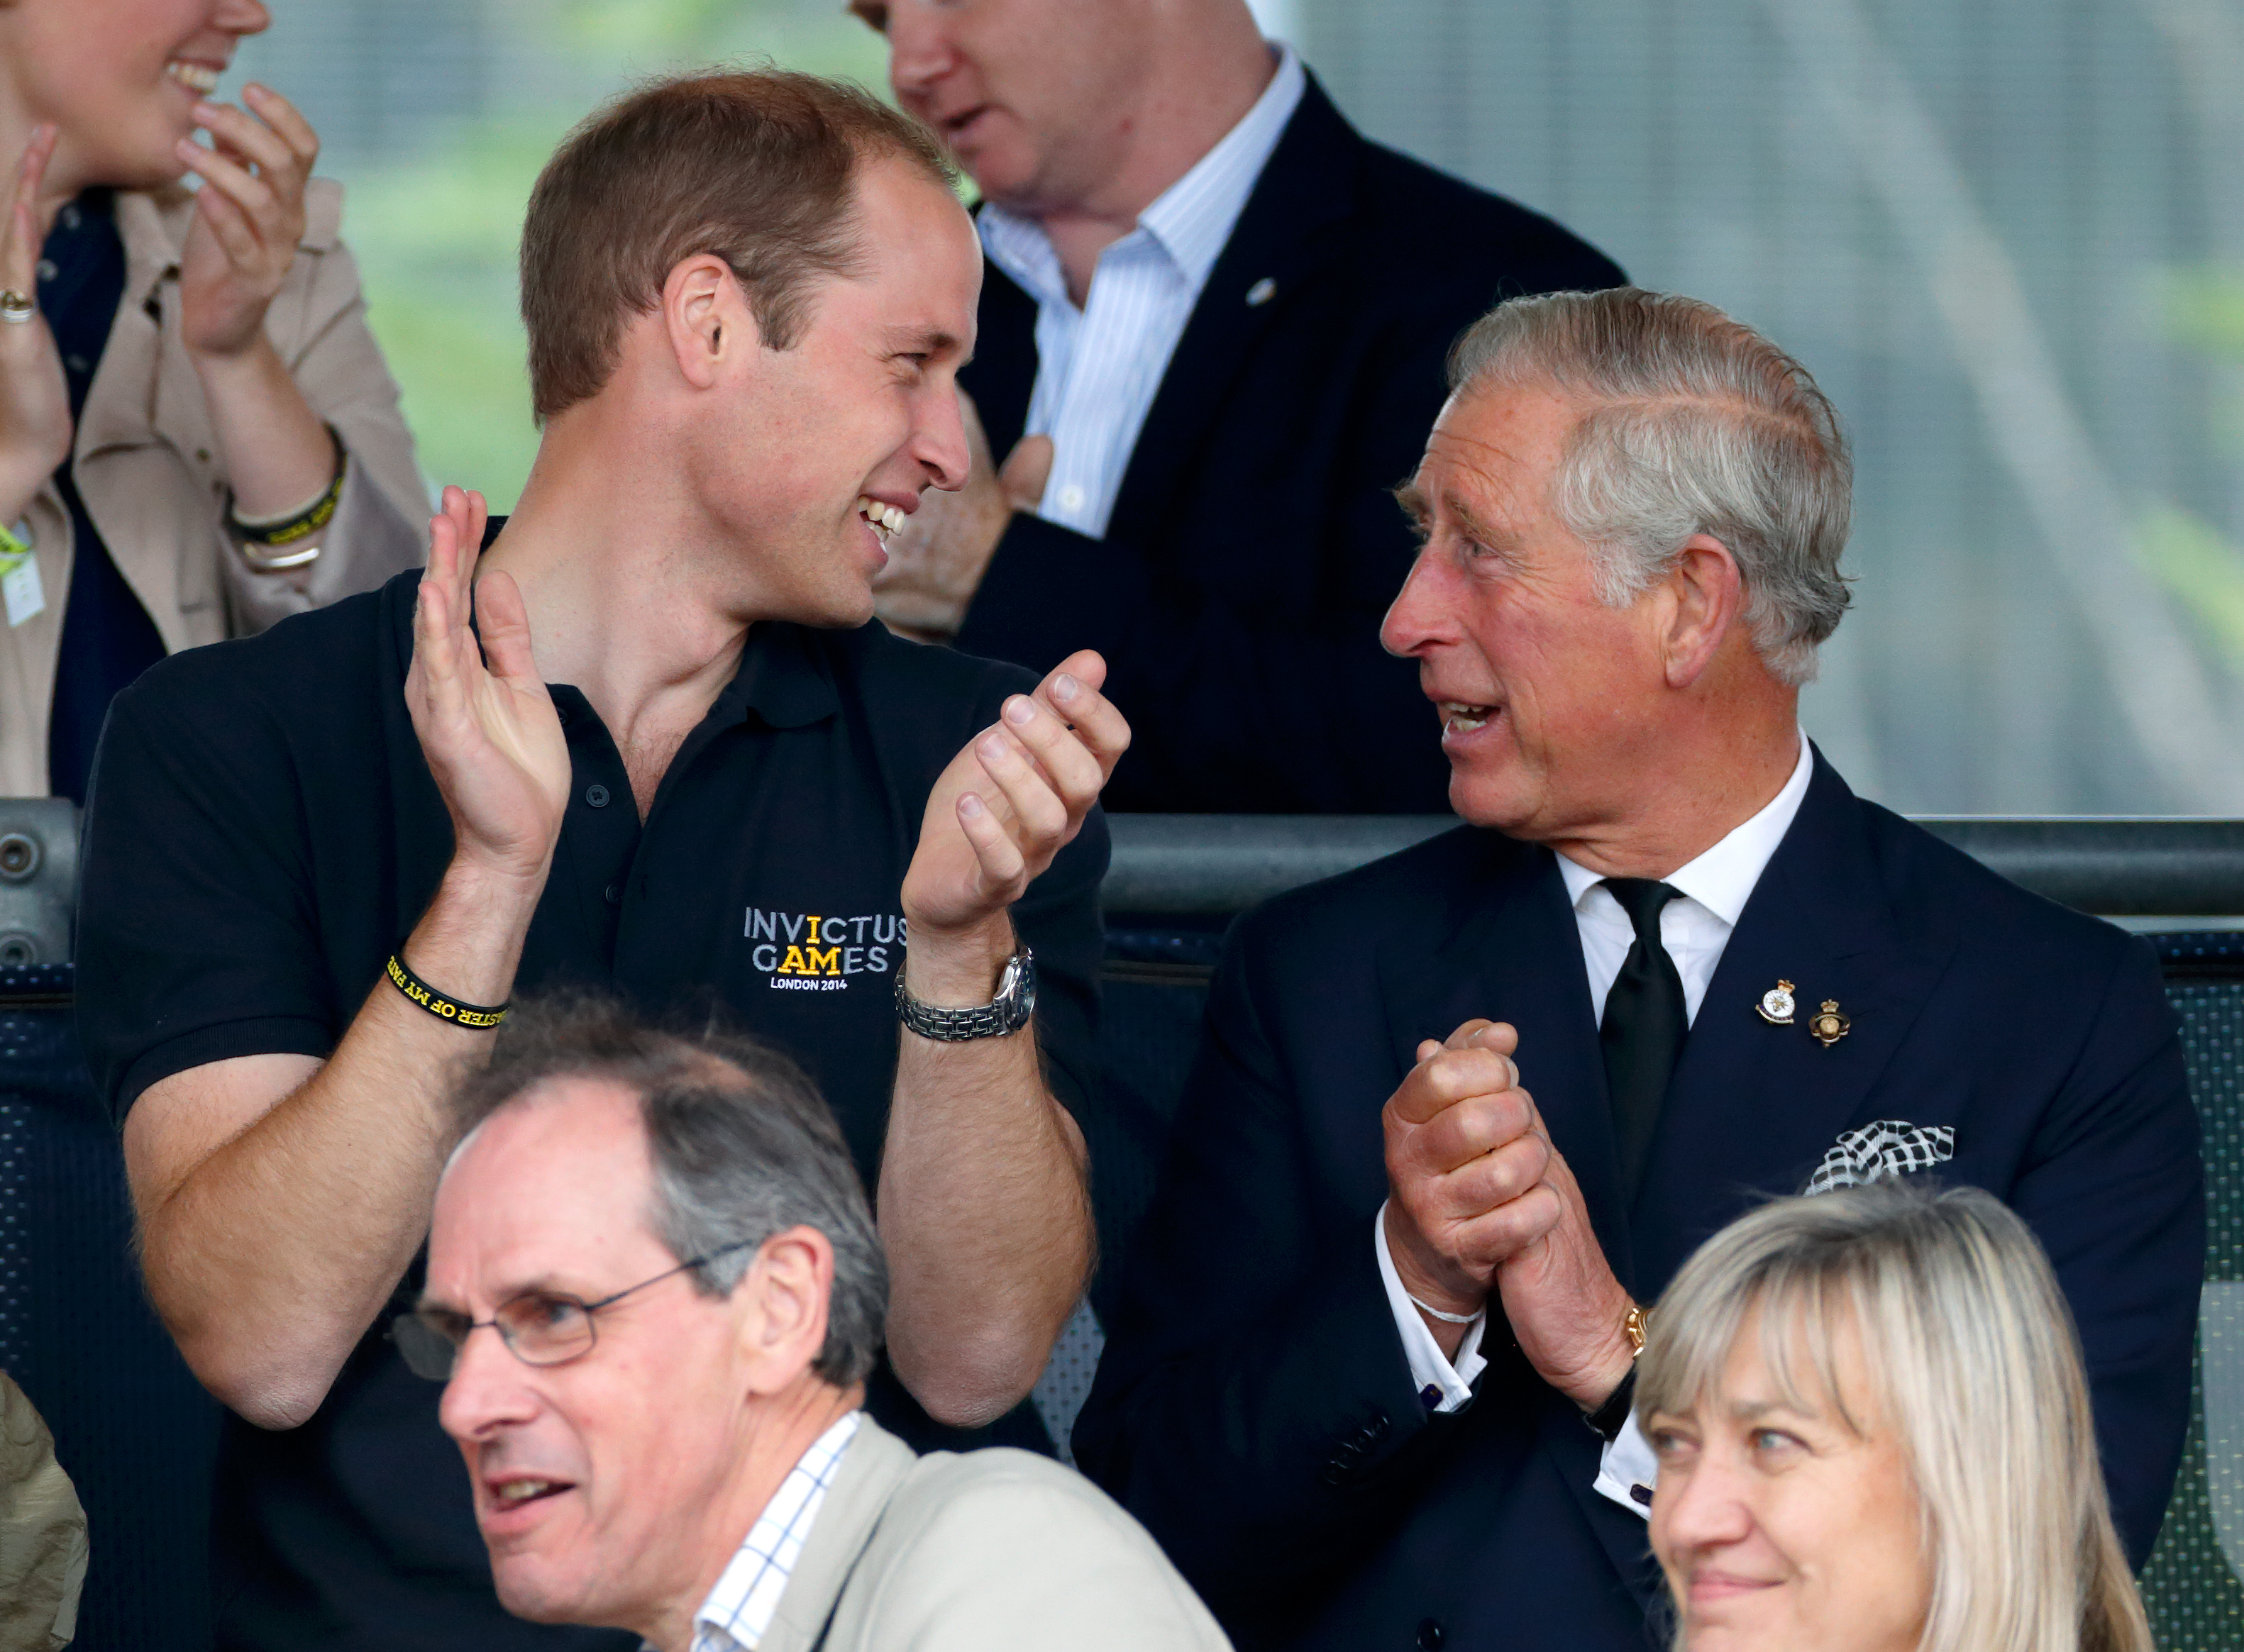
x,y
756,166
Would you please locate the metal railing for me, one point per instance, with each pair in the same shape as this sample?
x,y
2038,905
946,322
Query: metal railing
x,y
1216,865
1189,865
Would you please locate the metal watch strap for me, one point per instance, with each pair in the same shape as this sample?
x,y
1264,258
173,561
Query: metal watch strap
x,y
1006,1013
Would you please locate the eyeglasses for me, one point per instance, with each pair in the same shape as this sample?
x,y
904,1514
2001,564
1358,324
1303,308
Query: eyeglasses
x,y
539,1327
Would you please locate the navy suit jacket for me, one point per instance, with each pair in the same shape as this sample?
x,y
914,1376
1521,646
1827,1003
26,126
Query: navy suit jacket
x,y
1255,546
1253,1408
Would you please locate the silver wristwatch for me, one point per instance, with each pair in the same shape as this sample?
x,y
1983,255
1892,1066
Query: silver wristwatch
x,y
1007,1013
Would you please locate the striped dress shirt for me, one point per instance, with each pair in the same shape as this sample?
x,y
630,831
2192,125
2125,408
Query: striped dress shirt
x,y
739,1610
1098,367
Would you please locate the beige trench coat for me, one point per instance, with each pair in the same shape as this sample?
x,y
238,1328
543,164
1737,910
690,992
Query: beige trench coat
x,y
150,471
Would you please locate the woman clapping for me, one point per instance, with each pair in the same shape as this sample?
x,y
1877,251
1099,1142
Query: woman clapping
x,y
198,434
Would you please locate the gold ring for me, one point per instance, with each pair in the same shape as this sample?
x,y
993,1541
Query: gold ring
x,y
14,306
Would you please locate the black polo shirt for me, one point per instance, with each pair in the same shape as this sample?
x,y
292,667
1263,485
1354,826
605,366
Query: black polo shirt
x,y
265,830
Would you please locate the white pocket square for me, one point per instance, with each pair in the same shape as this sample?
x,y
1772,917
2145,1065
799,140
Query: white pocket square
x,y
1890,1147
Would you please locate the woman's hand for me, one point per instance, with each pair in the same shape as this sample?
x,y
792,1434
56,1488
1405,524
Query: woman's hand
x,y
34,416
249,215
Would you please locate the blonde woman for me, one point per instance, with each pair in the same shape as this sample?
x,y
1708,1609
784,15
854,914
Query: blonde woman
x,y
1874,1436
197,436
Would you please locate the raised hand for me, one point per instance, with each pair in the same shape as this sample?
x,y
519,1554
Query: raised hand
x,y
486,723
1013,799
1467,1158
34,415
936,560
249,215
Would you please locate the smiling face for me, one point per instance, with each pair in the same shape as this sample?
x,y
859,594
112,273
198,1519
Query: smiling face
x,y
605,1488
1780,1528
825,446
120,78
1550,700
1032,95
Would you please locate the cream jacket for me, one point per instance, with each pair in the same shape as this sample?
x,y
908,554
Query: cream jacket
x,y
149,469
989,1551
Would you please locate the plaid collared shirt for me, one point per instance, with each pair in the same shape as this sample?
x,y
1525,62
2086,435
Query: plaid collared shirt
x,y
739,1610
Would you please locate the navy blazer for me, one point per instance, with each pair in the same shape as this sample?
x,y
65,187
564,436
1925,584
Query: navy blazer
x,y
1253,1408
1253,547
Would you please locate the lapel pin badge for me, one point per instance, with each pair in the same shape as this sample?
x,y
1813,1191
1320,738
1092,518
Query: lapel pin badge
x,y
1777,1005
1262,292
1828,1026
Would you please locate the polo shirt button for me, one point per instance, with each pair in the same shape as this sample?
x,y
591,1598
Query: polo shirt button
x,y
598,796
1429,1634
614,892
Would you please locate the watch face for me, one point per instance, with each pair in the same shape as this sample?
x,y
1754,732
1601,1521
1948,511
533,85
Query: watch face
x,y
1017,985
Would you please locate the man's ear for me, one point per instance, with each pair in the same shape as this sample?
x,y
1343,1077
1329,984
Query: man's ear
x,y
1705,594
711,328
780,1307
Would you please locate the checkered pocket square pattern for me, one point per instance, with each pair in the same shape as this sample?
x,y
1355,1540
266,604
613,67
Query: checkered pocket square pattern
x,y
1890,1147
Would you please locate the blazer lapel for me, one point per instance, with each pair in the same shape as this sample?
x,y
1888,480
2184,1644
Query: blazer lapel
x,y
1003,374
1307,192
873,1466
1753,1106
1514,954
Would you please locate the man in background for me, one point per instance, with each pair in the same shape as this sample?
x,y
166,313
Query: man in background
x,y
665,1430
1212,330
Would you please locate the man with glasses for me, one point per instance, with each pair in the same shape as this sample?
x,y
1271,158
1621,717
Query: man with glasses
x,y
677,1448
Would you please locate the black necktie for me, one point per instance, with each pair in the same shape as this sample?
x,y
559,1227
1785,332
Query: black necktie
x,y
1644,1026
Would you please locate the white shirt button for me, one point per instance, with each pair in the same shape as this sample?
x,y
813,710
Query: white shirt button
x,y
1071,496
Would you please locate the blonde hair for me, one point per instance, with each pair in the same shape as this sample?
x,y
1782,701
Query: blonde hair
x,y
1972,1360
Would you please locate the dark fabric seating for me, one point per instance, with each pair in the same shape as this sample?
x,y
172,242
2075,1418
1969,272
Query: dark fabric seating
x,y
138,1435
136,1432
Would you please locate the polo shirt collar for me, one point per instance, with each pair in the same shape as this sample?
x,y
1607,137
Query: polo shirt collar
x,y
1190,220
1722,878
784,678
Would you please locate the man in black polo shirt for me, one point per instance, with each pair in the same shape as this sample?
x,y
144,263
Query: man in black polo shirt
x,y
677,763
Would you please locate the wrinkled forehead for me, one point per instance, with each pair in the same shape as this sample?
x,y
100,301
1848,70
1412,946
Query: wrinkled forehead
x,y
1501,442
557,1180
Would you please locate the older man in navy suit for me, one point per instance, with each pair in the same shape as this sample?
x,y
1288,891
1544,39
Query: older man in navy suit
x,y
1211,330
1462,1114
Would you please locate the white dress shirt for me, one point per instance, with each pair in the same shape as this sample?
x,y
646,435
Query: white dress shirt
x,y
1695,929
1098,367
738,1613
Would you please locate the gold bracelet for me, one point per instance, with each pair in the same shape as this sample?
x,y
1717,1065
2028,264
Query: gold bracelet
x,y
1636,1323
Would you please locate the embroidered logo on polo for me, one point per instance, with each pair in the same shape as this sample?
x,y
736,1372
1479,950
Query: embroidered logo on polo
x,y
818,951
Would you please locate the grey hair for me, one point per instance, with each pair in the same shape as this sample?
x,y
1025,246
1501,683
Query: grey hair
x,y
741,1144
1696,425
1971,1361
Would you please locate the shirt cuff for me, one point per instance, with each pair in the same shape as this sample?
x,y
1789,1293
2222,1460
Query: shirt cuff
x,y
1628,1471
1444,1385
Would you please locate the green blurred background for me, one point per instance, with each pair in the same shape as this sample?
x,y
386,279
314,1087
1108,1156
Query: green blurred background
x,y
438,153
2007,236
